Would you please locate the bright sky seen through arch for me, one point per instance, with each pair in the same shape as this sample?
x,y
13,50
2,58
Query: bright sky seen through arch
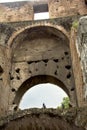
x,y
49,94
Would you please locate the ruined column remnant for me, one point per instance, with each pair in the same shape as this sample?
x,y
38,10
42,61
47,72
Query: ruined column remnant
x,y
82,51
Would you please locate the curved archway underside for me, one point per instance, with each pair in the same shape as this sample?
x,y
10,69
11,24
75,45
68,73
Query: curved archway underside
x,y
37,80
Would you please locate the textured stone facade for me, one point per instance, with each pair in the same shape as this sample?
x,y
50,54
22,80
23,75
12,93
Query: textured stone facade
x,y
59,8
38,119
45,51
82,52
24,11
32,60
10,12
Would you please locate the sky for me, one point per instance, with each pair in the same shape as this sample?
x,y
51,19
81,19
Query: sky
x,y
49,94
2,1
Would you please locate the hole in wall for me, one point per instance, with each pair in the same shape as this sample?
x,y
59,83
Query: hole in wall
x,y
55,60
45,60
17,70
11,77
1,78
55,72
72,89
30,71
18,78
15,108
66,53
30,62
69,75
62,58
13,90
45,64
68,67
36,61
1,70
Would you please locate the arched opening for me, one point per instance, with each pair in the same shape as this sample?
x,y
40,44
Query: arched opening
x,y
40,54
29,83
43,95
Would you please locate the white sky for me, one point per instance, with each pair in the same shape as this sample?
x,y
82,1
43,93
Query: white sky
x,y
49,94
38,16
2,1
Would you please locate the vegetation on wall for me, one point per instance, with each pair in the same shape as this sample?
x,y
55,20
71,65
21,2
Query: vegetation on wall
x,y
65,104
75,24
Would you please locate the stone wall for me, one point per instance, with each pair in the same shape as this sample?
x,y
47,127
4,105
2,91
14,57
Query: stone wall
x,y
39,48
82,52
24,11
47,119
34,56
76,67
59,8
17,11
4,79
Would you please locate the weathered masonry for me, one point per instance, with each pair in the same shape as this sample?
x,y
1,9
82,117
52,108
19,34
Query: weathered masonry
x,y
45,51
24,11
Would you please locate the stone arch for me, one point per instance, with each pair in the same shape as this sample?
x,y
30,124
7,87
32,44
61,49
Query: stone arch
x,y
41,24
55,62
35,80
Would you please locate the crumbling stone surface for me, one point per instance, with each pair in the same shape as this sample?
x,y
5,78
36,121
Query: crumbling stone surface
x,y
18,11
60,8
30,51
77,116
24,11
82,52
37,119
76,64
33,52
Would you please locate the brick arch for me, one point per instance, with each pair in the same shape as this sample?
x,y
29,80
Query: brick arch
x,y
35,80
42,24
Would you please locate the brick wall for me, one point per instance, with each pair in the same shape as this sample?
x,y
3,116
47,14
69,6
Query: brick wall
x,y
58,8
16,12
23,11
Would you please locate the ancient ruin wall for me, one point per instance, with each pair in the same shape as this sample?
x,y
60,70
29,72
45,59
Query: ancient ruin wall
x,y
17,11
82,52
76,67
24,11
59,8
4,81
46,119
